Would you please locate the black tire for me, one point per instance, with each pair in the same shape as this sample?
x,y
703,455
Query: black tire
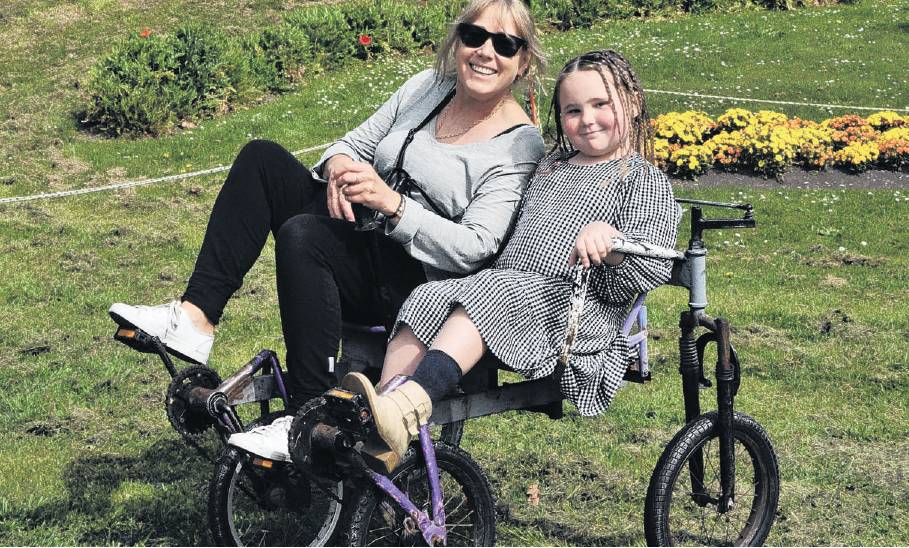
x,y
672,517
375,520
252,506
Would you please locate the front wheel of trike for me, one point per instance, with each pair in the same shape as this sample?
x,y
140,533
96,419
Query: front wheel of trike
x,y
681,508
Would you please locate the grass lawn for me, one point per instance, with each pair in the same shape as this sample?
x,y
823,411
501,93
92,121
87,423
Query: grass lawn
x,y
817,294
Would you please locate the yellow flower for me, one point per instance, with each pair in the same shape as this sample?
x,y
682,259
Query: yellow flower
x,y
884,120
901,133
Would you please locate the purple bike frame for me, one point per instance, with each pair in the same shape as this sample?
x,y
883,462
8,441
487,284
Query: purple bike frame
x,y
231,424
432,529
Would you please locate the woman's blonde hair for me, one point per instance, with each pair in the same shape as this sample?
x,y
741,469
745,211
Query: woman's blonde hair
x,y
523,21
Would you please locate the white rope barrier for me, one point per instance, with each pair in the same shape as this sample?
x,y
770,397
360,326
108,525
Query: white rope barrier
x,y
142,182
219,169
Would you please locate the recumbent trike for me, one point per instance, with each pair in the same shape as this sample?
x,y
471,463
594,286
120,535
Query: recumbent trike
x,y
716,483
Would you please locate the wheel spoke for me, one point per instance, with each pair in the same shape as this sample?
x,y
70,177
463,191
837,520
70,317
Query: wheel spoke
x,y
461,502
461,522
380,539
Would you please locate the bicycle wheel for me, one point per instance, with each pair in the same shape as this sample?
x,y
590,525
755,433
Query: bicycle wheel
x,y
376,520
672,514
253,506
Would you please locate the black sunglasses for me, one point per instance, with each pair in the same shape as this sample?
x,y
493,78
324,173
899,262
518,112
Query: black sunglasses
x,y
474,36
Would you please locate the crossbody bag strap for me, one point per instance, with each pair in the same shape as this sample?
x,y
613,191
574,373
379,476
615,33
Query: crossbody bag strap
x,y
374,254
399,163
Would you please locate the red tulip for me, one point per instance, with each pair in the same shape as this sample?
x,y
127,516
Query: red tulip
x,y
365,39
145,33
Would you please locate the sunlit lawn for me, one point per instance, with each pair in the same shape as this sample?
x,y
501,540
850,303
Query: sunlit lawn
x,y
817,295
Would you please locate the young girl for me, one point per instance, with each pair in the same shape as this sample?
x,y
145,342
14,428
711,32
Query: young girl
x,y
596,184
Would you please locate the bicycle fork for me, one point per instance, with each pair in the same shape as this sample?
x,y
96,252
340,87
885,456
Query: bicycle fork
x,y
691,369
432,529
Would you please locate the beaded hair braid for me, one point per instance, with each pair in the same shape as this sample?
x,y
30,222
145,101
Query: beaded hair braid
x,y
637,127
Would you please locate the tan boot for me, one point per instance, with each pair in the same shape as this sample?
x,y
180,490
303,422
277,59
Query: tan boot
x,y
398,416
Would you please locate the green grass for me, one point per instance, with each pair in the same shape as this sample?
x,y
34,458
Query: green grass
x,y
752,53
89,457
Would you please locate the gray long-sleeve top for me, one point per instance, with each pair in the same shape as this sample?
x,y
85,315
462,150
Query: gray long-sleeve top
x,y
476,185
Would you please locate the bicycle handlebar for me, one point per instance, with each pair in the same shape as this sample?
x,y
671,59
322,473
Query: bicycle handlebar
x,y
727,205
644,249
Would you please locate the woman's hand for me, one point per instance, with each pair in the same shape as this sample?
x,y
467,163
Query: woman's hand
x,y
594,245
360,184
338,206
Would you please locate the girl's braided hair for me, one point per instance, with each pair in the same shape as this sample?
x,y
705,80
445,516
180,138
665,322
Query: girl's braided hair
x,y
638,132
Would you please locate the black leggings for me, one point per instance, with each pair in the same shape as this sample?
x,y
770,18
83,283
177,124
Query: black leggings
x,y
324,267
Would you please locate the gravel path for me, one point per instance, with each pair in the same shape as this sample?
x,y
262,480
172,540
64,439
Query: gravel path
x,y
799,178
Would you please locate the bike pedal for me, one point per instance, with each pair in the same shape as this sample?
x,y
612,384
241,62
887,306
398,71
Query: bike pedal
x,y
136,339
263,463
350,410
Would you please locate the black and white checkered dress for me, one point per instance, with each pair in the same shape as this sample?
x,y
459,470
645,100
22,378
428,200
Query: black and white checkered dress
x,y
520,304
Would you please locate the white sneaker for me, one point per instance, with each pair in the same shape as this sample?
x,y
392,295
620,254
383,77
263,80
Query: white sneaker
x,y
268,441
171,325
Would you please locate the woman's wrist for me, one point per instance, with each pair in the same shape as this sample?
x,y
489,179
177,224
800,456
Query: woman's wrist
x,y
399,211
396,206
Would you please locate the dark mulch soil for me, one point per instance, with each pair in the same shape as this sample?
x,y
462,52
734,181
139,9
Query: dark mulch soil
x,y
799,178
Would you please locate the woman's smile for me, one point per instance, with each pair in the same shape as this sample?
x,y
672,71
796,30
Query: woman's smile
x,y
480,69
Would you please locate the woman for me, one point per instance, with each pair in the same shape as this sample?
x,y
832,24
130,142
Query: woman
x,y
470,158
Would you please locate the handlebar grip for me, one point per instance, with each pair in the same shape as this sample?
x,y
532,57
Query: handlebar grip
x,y
645,250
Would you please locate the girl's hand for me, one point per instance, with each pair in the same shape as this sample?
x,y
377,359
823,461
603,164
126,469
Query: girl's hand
x,y
338,206
360,184
594,245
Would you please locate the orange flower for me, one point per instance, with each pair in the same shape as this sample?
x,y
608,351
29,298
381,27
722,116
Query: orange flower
x,y
365,40
145,33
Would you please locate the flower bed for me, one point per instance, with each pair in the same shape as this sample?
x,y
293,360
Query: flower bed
x,y
688,144
152,80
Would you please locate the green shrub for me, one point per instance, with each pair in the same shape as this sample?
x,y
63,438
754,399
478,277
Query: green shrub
x,y
278,56
391,26
137,87
148,83
699,6
215,68
566,14
644,8
328,30
431,23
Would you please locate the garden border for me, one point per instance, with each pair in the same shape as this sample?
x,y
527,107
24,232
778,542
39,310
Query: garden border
x,y
219,169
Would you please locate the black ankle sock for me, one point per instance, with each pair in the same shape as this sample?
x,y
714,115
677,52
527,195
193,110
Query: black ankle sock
x,y
438,374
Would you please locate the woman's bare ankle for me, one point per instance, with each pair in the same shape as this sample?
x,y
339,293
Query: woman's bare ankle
x,y
199,319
